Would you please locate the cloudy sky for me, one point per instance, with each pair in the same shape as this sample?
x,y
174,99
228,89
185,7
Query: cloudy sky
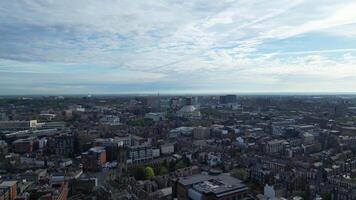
x,y
177,46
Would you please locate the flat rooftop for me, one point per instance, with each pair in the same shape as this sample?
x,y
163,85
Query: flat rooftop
x,y
220,185
8,183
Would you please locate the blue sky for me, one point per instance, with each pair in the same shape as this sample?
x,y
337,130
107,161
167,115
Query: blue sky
x,y
177,46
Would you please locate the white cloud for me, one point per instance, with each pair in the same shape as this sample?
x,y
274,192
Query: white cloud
x,y
134,41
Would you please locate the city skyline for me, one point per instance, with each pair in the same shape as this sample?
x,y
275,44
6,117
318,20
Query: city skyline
x,y
119,47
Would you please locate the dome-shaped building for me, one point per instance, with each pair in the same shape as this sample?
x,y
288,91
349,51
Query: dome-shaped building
x,y
189,112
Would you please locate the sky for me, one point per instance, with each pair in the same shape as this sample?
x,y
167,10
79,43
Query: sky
x,y
177,46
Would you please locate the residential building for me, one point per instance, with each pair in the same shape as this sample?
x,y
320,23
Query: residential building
x,y
63,144
167,148
11,187
139,154
94,158
23,145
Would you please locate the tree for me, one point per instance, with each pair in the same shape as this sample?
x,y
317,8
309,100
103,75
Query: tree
x,y
300,193
163,170
180,164
326,196
172,165
240,174
149,173
139,173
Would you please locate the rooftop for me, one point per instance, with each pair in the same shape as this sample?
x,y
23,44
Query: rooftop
x,y
8,183
220,185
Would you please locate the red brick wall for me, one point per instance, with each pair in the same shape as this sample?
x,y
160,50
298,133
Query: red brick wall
x,y
182,192
64,192
102,157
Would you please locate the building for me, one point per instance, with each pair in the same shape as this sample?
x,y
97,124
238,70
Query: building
x,y
189,112
123,141
212,187
68,114
4,148
201,133
63,144
214,159
281,128
85,184
33,176
57,191
308,138
137,140
17,125
139,154
156,153
275,146
226,99
65,176
167,148
189,101
10,187
53,125
23,145
111,120
269,193
94,158
156,117
47,116
181,131
3,116
4,194
342,187
111,146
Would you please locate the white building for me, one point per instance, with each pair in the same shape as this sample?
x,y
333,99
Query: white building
x,y
308,138
167,148
269,192
110,120
139,154
155,116
275,146
156,153
189,112
186,131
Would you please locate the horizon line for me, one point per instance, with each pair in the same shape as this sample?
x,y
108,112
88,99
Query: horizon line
x,y
186,94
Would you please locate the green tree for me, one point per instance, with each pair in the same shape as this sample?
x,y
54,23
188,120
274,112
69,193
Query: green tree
x,y
149,173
